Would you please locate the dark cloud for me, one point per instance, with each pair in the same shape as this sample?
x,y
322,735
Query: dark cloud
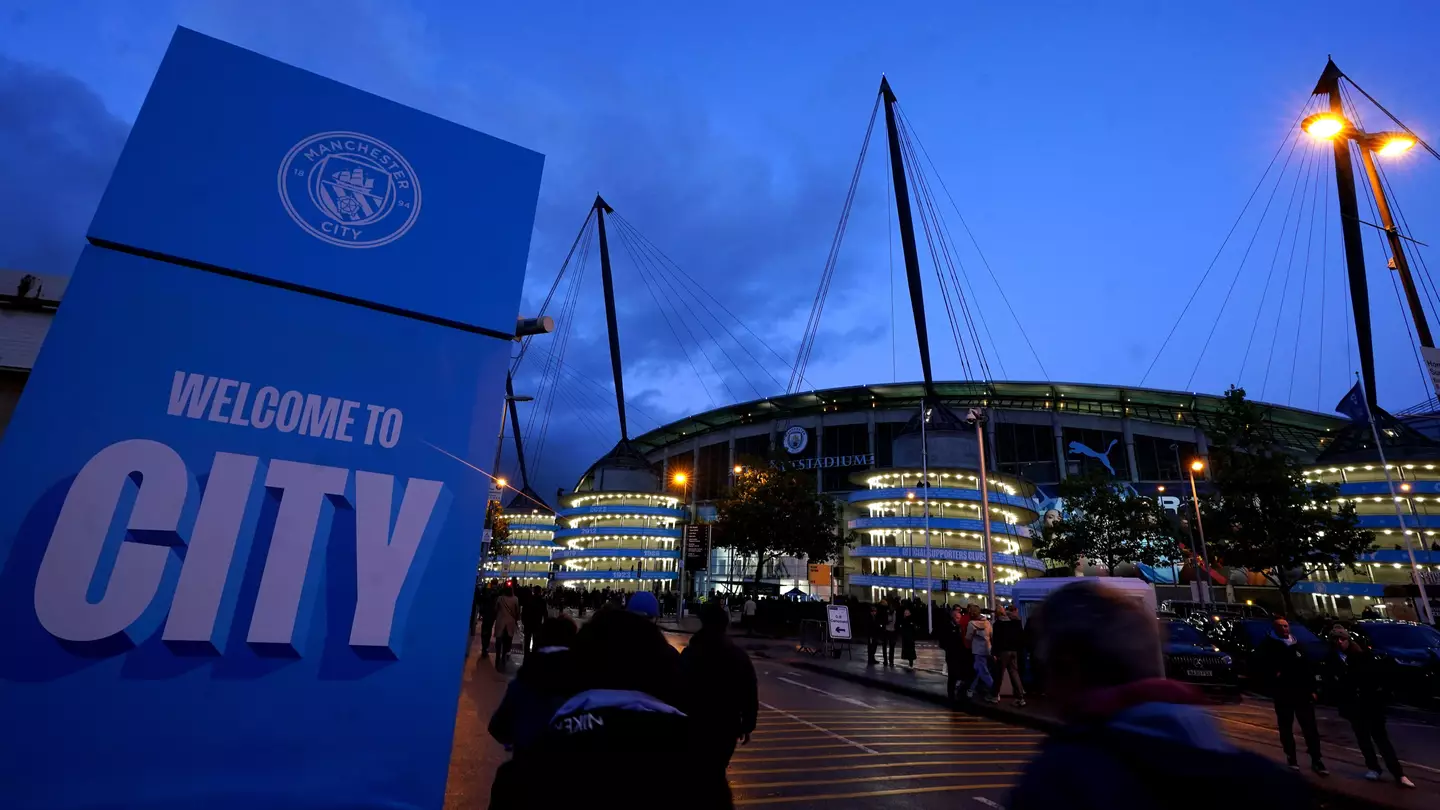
x,y
60,144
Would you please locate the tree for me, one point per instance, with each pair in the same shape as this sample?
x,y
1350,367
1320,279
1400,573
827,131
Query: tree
x,y
1264,515
1105,523
771,513
499,531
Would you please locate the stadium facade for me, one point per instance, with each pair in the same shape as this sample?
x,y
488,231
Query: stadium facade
x,y
859,444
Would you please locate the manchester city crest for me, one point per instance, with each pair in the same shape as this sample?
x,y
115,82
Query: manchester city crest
x,y
349,189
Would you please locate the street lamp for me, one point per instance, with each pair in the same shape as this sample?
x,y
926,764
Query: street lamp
x,y
1332,125
1199,466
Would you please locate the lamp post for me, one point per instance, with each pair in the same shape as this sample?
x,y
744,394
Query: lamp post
x,y
1332,126
497,484
977,417
1198,466
683,481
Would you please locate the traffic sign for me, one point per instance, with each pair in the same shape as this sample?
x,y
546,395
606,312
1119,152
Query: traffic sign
x,y
839,619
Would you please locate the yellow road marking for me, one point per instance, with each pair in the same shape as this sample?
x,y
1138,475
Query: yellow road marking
x,y
871,736
859,766
811,797
886,744
886,778
867,756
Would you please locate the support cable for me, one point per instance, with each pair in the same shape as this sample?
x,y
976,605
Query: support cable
x,y
557,355
658,264
812,326
1391,116
1289,264
677,302
973,241
696,285
946,240
1320,188
673,331
602,391
939,275
1291,138
1391,263
1274,259
525,343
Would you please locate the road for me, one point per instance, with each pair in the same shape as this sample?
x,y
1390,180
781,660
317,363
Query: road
x,y
822,742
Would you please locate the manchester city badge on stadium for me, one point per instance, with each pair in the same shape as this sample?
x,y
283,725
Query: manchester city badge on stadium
x,y
350,190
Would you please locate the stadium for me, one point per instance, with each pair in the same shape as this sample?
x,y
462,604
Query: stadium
x,y
860,444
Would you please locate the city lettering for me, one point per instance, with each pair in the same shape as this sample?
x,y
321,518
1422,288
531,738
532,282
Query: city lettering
x,y
154,483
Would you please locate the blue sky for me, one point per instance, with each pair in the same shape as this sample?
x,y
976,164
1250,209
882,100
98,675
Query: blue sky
x,y
1098,151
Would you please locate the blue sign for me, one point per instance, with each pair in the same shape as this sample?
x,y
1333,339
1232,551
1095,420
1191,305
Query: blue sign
x,y
236,561
246,164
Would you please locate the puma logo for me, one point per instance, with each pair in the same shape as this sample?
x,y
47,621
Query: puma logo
x,y
1104,458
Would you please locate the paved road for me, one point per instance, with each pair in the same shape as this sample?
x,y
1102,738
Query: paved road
x,y
822,742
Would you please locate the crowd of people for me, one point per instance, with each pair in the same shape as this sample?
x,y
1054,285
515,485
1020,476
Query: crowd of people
x,y
597,699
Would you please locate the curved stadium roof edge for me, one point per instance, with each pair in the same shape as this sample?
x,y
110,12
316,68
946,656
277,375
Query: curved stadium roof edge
x,y
1297,427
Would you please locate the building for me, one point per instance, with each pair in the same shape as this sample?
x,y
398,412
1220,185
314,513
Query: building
x,y
27,305
858,443
531,523
618,529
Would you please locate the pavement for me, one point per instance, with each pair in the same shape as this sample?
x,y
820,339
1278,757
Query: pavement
x,y
1250,724
842,733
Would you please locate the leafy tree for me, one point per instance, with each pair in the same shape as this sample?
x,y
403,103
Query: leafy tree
x,y
772,513
1264,515
1103,522
499,531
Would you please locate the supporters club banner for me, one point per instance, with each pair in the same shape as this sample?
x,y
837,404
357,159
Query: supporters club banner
x,y
237,548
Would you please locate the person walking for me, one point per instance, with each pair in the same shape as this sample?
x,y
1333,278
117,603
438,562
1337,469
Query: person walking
x,y
719,692
1008,641
487,619
532,615
879,613
1132,739
1353,680
892,623
950,636
507,624
977,637
908,625
545,681
747,615
1291,675
620,729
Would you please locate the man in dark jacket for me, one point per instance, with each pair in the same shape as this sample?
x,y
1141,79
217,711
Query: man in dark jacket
x,y
1008,641
545,681
1354,682
950,637
621,727
1131,738
1282,663
718,691
879,618
532,615
485,605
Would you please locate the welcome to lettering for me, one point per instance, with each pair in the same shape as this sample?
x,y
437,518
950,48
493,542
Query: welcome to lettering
x,y
218,399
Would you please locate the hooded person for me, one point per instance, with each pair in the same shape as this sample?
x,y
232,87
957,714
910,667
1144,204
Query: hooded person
x,y
545,681
1132,738
622,721
719,691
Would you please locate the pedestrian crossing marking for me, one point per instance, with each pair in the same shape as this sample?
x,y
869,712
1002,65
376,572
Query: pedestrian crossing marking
x,y
813,797
882,778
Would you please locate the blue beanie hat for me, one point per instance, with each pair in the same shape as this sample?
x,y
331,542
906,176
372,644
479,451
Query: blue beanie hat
x,y
644,603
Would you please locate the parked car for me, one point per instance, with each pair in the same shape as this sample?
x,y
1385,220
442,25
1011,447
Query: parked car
x,y
1192,657
1241,638
1410,653
1185,609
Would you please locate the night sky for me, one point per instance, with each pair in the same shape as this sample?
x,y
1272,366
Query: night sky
x,y
1098,157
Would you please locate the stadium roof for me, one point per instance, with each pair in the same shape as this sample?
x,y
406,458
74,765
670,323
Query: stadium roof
x,y
1297,428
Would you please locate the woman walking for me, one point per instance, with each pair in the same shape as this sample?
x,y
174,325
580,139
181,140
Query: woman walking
x,y
907,634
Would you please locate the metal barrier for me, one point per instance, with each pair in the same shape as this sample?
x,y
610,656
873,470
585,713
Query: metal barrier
x,y
812,637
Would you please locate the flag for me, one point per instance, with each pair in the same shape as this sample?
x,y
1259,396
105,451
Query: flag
x,y
1354,405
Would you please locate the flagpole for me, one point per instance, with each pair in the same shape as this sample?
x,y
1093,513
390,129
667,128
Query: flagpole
x,y
1399,516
